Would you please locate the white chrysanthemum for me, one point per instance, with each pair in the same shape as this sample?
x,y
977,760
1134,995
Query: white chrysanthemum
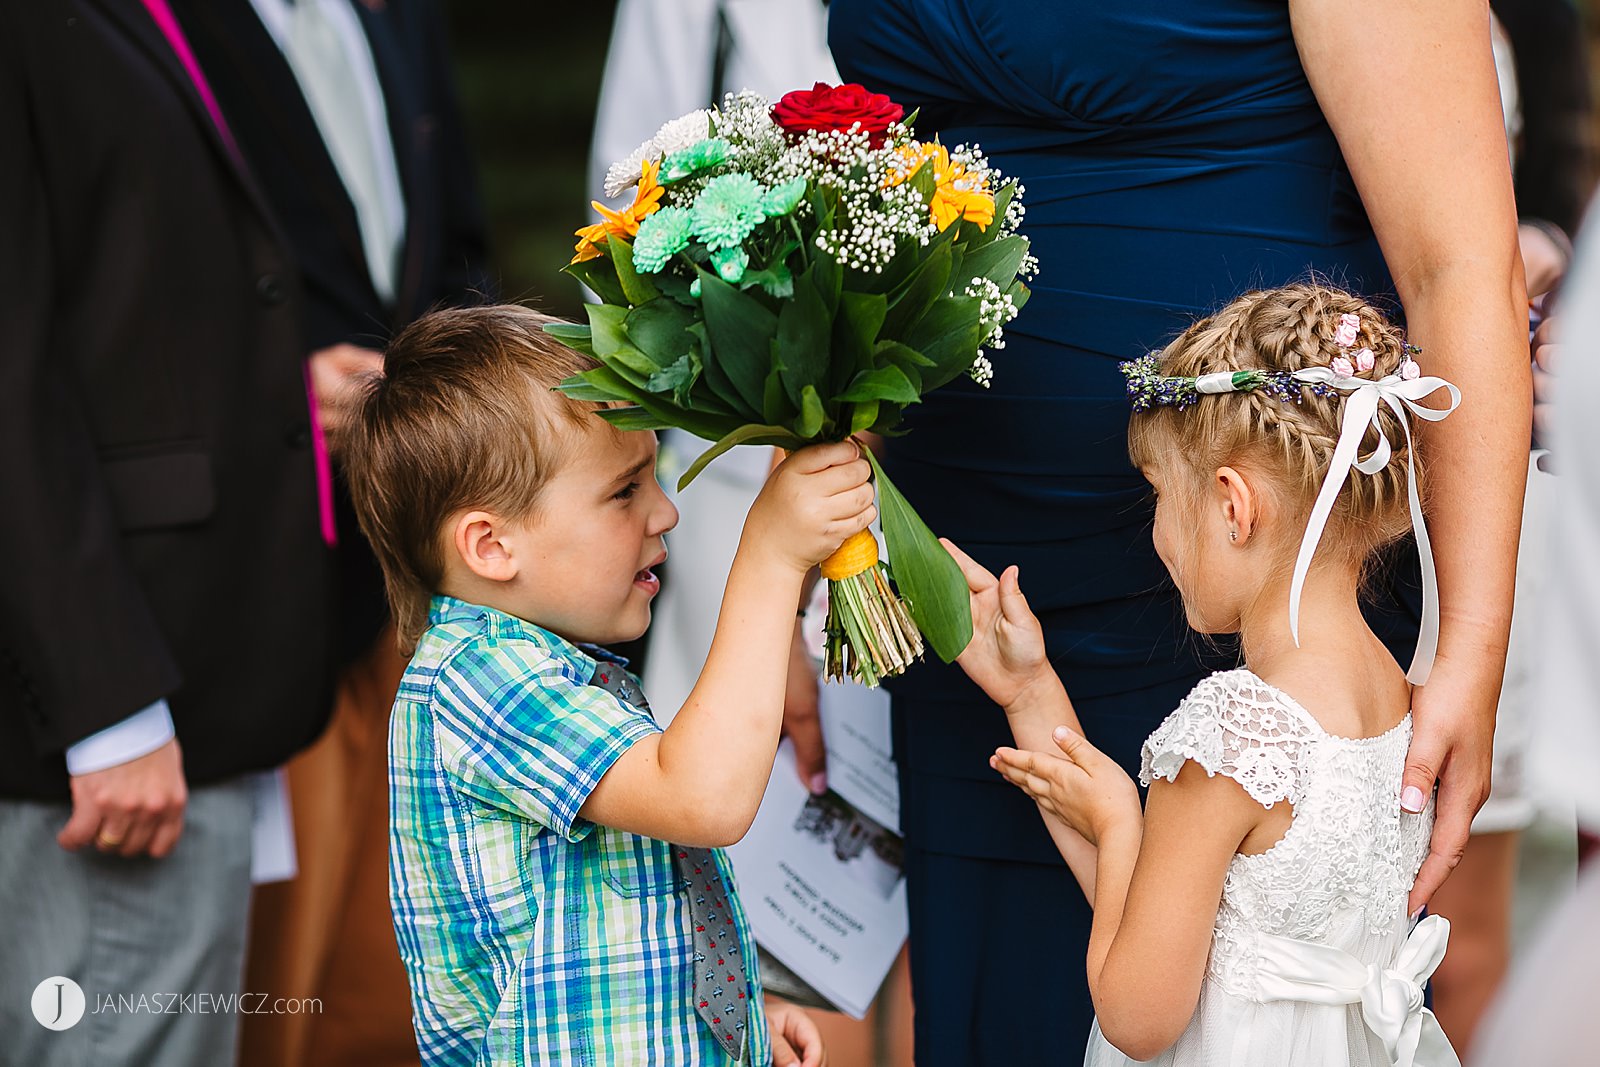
x,y
679,133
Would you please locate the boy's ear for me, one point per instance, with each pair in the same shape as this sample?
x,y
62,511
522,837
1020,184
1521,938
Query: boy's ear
x,y
1239,503
480,539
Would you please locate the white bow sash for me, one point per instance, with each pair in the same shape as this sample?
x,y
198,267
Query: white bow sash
x,y
1391,999
1360,411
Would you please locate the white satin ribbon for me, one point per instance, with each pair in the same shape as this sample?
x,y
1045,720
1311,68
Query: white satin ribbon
x,y
1391,998
1360,411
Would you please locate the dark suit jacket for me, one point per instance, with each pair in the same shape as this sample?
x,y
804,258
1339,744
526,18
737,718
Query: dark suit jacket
x,y
442,260
160,535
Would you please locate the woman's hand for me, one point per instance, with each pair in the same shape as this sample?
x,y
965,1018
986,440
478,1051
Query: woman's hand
x,y
1451,742
1006,654
1083,787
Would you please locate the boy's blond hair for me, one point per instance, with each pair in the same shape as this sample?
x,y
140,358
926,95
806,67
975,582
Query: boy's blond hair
x,y
462,417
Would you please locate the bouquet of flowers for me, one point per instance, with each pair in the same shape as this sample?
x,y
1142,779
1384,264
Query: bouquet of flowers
x,y
798,273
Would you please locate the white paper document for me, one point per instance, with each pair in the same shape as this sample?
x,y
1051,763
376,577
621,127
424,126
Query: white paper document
x,y
820,877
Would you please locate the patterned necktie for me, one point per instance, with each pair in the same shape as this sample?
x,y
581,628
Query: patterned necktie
x,y
721,979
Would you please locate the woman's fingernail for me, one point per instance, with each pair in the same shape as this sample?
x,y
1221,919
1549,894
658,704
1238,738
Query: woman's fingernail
x,y
1418,913
1412,800
819,783
1062,732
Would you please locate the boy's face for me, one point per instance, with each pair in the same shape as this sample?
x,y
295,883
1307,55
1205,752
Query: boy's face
x,y
587,554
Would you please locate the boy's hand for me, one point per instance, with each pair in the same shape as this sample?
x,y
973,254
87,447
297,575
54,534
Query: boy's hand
x,y
1086,789
796,1041
814,500
1006,654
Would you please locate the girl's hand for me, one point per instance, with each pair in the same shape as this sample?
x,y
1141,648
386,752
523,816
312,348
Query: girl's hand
x,y
1006,654
1083,787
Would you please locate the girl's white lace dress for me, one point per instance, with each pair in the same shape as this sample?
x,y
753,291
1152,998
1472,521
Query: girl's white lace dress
x,y
1314,962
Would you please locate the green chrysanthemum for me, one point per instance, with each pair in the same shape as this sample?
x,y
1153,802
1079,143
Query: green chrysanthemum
x,y
730,263
782,199
726,210
661,236
702,155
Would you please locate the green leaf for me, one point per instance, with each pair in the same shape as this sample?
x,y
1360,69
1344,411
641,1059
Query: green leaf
x,y
776,407
930,580
809,423
717,381
908,359
605,328
913,299
751,434
804,322
884,383
679,379
636,287
633,365
741,333
594,385
600,276
828,278
998,261
659,329
864,415
949,336
572,335
634,418
854,332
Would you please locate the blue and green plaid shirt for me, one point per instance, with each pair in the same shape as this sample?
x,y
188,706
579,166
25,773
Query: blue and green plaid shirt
x,y
530,935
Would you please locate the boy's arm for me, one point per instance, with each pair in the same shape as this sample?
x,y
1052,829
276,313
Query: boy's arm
x,y
700,781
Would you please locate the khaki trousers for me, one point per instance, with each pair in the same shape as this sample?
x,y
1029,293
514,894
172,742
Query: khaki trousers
x,y
327,934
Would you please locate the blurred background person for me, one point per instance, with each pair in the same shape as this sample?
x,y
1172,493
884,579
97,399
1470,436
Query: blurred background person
x,y
165,630
1543,76
1545,1014
345,113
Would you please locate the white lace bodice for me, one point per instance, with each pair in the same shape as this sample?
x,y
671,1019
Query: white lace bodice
x,y
1342,871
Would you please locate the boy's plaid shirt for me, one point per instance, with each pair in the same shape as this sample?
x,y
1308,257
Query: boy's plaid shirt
x,y
530,935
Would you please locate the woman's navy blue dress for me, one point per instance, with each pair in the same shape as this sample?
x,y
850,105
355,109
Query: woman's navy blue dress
x,y
1173,157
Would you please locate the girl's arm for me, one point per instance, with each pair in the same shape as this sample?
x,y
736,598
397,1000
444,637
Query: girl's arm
x,y
1006,658
1409,89
1159,880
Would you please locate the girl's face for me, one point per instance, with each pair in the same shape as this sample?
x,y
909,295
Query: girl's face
x,y
1192,527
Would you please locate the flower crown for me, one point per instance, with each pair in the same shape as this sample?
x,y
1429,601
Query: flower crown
x,y
1149,388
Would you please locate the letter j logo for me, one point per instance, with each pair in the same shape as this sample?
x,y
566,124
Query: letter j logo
x,y
58,1003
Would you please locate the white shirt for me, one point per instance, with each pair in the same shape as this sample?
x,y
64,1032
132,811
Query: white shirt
x,y
328,51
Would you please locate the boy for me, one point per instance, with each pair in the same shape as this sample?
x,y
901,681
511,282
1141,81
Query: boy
x,y
559,893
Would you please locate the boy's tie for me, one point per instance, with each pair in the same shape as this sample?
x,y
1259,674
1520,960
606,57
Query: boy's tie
x,y
721,977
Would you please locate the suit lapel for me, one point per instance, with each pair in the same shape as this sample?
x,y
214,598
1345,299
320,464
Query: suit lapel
x,y
140,26
279,103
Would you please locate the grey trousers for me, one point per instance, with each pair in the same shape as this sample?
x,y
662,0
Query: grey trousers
x,y
137,935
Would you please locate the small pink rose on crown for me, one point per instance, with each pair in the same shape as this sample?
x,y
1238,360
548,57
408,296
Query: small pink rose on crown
x,y
1365,360
1349,324
1409,370
1342,368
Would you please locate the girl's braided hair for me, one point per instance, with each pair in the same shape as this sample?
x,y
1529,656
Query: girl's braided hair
x,y
1290,443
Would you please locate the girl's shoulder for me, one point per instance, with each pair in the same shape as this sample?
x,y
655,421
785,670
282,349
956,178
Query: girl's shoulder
x,y
1233,723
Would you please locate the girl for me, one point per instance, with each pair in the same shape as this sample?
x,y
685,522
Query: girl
x,y
1255,912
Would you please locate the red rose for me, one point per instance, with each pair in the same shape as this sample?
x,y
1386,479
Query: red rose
x,y
836,107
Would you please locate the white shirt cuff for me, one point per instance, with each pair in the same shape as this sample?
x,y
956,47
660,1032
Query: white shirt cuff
x,y
138,735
